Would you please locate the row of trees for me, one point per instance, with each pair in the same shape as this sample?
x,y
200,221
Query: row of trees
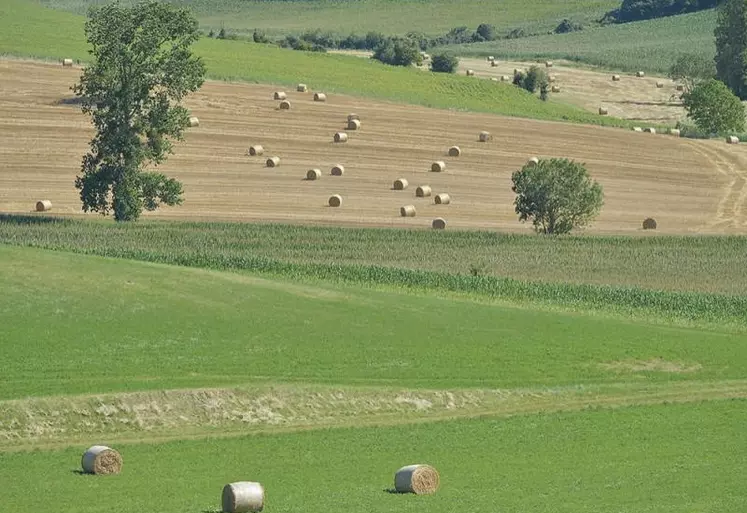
x,y
635,10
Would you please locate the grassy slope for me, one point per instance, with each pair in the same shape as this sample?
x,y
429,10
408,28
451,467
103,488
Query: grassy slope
x,y
665,459
699,264
80,324
649,45
28,30
388,16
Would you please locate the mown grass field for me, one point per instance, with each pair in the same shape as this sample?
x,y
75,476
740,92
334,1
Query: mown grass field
x,y
28,30
651,45
657,459
432,17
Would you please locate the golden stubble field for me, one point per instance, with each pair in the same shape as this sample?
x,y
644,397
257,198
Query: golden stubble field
x,y
688,186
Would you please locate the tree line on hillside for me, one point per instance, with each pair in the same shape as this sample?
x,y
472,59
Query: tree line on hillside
x,y
636,10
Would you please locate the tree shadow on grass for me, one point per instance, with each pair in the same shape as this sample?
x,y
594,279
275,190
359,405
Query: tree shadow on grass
x,y
23,219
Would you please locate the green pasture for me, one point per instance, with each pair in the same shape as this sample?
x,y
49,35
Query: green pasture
x,y
432,17
651,45
28,30
655,459
76,324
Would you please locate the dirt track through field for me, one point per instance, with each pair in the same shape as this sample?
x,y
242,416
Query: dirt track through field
x,y
687,186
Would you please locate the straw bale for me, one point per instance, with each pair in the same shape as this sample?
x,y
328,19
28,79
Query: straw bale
x,y
320,97
67,62
335,200
485,136
533,161
555,89
423,191
442,199
455,151
418,479
407,211
102,460
603,111
341,137
505,78
400,184
674,131
650,130
193,121
637,129
43,205
615,78
256,150
285,105
491,58
649,223
470,73
279,95
548,64
659,85
493,64
301,88
338,170
354,124
438,166
732,139
273,162
243,497
640,74
439,223
313,174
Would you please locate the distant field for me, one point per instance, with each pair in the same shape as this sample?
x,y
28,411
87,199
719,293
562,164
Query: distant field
x,y
647,45
388,16
31,31
657,459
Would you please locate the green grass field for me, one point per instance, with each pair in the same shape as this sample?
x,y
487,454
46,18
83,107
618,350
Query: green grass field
x,y
28,30
432,17
651,45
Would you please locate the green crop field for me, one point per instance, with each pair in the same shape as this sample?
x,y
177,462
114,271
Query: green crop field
x,y
651,45
28,30
432,17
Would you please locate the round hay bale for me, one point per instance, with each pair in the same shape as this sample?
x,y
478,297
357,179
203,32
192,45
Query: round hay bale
x,y
533,161
301,88
603,111
494,79
680,87
442,199
732,139
313,174
43,205
423,191
470,73
338,170
285,105
439,223
243,497
354,124
335,200
400,184
640,74
548,64
674,131
484,136
649,223
455,151
637,129
256,150
407,211
279,95
102,460
320,97
438,166
650,130
615,78
505,78
67,63
341,137
659,85
352,117
418,479
493,64
491,58
555,89
552,78
193,121
273,162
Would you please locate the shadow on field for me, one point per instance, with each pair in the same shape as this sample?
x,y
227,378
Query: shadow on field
x,y
655,104
29,219
76,100
392,491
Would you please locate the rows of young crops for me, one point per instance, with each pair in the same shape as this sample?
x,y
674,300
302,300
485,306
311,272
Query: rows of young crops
x,y
651,45
417,260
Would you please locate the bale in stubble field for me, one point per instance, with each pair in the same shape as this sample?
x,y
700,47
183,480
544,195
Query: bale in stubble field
x,y
301,88
439,223
438,166
470,73
320,97
454,151
407,211
273,162
193,121
101,460
335,200
341,137
484,136
423,191
313,174
285,105
603,111
43,205
400,184
243,497
732,139
256,150
649,223
338,170
442,199
418,479
67,63
279,95
354,124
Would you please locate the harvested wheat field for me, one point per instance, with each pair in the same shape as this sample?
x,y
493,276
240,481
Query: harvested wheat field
x,y
687,186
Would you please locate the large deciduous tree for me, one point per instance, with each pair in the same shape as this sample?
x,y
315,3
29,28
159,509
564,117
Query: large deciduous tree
x,y
731,46
142,68
714,108
558,195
